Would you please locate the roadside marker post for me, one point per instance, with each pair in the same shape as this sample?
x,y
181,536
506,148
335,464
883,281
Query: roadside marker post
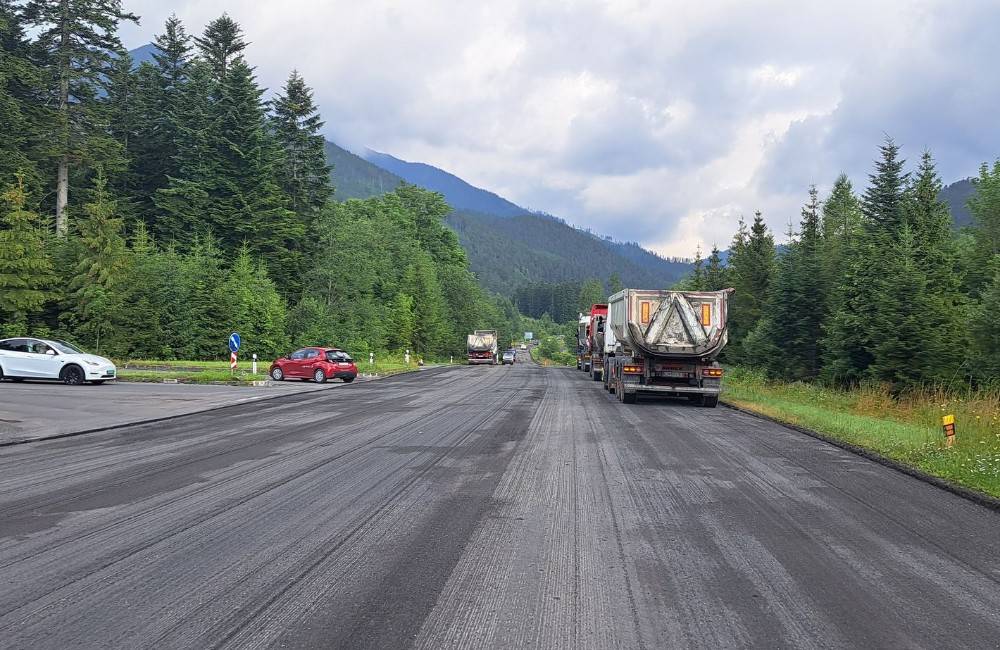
x,y
948,424
254,366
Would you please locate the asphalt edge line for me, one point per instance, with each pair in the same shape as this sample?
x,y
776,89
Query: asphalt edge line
x,y
167,418
984,500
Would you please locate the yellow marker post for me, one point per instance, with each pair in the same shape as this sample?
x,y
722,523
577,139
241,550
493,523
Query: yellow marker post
x,y
948,424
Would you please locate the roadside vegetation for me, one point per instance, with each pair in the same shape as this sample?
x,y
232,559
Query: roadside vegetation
x,y
192,207
218,372
906,428
553,351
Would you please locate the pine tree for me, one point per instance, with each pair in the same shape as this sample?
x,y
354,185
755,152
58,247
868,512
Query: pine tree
x,y
751,264
185,203
591,293
841,227
303,172
21,109
253,306
94,288
697,280
985,208
80,43
161,94
883,203
25,267
615,284
985,359
402,322
221,44
936,256
715,274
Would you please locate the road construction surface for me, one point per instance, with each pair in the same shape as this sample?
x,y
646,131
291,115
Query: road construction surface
x,y
485,507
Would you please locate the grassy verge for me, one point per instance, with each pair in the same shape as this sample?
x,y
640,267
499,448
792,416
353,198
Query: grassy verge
x,y
906,429
217,372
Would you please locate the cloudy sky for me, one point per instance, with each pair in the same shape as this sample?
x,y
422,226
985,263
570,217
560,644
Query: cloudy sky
x,y
655,121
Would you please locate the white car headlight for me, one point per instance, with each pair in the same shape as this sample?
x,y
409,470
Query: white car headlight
x,y
92,363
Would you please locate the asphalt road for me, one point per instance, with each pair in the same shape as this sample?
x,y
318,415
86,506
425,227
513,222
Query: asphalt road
x,y
486,507
34,409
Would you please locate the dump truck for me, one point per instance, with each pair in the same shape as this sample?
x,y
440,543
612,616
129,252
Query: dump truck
x,y
595,332
665,343
582,352
482,347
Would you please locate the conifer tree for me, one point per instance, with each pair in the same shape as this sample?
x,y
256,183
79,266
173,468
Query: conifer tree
x,y
985,359
985,208
220,45
25,267
614,284
161,99
253,306
752,264
303,172
79,43
99,271
883,203
841,227
715,273
697,280
21,110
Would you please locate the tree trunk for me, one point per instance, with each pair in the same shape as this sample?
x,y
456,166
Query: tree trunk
x,y
62,175
62,195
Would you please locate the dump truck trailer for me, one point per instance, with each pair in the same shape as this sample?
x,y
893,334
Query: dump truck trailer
x,y
665,343
482,347
595,332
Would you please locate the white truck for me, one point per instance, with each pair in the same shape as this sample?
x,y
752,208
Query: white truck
x,y
666,343
482,347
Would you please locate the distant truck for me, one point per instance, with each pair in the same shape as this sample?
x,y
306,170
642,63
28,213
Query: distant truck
x,y
665,342
482,347
582,353
595,337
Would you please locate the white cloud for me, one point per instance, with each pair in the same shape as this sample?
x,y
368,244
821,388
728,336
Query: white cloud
x,y
661,121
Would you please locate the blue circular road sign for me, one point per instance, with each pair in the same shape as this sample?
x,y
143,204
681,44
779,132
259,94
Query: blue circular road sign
x,y
234,342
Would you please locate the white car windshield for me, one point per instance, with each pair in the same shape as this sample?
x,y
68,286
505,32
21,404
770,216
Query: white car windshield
x,y
65,347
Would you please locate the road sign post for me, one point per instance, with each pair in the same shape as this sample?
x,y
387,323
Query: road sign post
x,y
253,368
234,346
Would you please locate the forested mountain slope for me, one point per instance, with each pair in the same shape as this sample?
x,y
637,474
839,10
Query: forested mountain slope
x,y
507,252
356,178
460,194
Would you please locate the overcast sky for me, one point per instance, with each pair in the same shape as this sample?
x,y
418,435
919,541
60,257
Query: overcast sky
x,y
655,121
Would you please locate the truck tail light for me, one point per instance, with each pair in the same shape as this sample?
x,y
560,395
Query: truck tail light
x,y
706,314
632,369
712,372
644,312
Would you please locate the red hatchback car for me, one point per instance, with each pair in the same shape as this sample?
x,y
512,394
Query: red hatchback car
x,y
318,364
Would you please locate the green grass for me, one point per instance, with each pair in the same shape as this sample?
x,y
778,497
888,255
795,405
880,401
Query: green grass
x,y
905,428
217,372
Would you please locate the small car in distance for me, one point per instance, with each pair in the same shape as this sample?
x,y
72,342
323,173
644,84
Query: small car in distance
x,y
524,347
509,356
30,358
315,363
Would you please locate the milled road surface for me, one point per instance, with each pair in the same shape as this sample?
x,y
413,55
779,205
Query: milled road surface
x,y
487,507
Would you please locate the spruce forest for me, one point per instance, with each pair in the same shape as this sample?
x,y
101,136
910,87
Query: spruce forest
x,y
871,288
149,210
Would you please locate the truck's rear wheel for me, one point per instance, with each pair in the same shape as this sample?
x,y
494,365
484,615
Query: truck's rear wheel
x,y
596,375
629,398
710,401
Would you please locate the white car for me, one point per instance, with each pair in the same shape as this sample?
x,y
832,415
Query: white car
x,y
28,358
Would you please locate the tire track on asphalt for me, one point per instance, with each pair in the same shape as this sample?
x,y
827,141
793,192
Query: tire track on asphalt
x,y
423,420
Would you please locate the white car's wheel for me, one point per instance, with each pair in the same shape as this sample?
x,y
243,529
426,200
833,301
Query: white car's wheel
x,y
72,375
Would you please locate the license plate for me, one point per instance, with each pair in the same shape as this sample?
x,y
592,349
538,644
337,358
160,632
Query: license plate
x,y
672,373
110,373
